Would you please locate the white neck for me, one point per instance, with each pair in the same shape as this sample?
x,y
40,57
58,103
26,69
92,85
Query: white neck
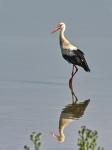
x,y
64,43
62,36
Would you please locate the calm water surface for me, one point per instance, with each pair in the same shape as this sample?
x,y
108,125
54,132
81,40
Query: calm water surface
x,y
34,90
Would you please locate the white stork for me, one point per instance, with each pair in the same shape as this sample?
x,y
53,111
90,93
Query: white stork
x,y
71,54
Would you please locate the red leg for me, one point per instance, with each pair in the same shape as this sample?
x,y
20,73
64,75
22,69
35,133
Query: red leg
x,y
71,81
72,75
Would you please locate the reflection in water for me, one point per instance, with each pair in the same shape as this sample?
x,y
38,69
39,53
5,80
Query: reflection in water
x,y
69,114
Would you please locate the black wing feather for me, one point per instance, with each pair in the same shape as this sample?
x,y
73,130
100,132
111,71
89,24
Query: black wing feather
x,y
76,57
81,60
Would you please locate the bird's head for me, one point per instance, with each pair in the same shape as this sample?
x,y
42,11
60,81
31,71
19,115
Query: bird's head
x,y
60,137
60,26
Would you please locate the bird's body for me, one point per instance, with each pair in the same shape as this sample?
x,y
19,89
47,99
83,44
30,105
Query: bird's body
x,y
71,53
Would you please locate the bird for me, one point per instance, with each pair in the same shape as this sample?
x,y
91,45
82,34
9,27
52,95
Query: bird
x,y
68,114
71,53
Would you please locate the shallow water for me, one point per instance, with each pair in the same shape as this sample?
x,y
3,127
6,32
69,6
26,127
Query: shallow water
x,y
34,90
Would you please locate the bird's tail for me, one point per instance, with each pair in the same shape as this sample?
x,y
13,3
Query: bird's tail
x,y
85,65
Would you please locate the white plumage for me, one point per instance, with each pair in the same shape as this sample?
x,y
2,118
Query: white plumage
x,y
71,54
69,51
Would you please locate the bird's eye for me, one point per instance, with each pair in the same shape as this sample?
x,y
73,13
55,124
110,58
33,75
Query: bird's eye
x,y
60,25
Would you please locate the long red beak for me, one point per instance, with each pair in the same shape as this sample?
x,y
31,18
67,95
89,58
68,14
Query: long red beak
x,y
56,29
